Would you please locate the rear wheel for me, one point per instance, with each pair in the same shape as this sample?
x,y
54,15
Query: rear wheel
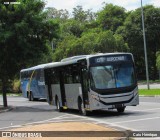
x,y
30,96
121,109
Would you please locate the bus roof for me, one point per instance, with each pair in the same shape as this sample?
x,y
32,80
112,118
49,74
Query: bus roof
x,y
41,66
75,59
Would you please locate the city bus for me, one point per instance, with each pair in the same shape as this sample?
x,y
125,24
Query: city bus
x,y
32,82
92,82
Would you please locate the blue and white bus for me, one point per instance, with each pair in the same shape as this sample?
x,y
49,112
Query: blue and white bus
x,y
92,82
32,82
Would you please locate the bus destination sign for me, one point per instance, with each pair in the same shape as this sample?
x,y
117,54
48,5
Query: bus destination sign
x,y
110,59
105,59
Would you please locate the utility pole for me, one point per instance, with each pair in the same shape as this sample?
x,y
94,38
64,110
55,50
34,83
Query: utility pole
x,y
145,49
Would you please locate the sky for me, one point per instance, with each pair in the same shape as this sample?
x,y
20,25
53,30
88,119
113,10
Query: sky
x,y
96,5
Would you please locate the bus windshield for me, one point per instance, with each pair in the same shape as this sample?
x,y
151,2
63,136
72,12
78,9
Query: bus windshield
x,y
112,76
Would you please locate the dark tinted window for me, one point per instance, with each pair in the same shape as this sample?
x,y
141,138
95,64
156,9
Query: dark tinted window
x,y
71,74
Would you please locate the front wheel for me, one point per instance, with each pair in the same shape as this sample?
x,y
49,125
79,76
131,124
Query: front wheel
x,y
121,109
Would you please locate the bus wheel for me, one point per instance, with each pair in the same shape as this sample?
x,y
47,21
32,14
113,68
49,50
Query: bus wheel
x,y
59,108
121,109
82,109
30,96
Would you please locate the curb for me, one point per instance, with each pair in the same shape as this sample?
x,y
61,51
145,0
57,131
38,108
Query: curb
x,y
9,108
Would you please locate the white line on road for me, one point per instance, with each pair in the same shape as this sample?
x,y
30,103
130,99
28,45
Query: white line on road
x,y
149,103
97,121
14,126
144,110
137,120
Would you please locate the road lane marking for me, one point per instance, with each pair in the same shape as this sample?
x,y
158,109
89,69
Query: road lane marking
x,y
137,120
15,126
149,103
109,124
144,110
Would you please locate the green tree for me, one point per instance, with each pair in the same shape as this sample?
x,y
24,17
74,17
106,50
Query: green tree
x,y
158,60
60,15
111,17
24,37
79,14
92,41
132,32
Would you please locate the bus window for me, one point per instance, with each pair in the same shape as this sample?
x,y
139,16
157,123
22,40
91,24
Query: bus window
x,y
68,75
124,75
55,77
112,76
101,76
41,76
75,76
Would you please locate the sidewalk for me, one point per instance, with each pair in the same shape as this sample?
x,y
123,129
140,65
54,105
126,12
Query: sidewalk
x,y
5,109
152,86
61,128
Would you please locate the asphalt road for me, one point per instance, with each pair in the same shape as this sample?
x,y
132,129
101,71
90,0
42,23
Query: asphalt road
x,y
145,116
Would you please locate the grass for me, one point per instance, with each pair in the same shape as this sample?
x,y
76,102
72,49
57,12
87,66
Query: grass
x,y
13,94
150,92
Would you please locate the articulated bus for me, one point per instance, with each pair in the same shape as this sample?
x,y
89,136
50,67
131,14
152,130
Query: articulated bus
x,y
32,82
92,82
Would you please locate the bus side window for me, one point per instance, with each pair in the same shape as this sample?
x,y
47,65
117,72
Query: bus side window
x,y
68,75
27,75
41,75
75,75
55,77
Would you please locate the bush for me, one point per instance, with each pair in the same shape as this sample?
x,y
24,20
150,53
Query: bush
x,y
16,86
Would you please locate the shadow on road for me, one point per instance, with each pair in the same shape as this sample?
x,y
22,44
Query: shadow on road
x,y
103,114
94,114
35,108
39,100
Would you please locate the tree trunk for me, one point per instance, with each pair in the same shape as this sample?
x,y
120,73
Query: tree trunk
x,y
4,91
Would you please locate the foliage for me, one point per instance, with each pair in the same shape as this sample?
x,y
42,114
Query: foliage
x,y
24,31
16,86
111,17
72,27
95,41
158,60
133,35
60,15
150,92
80,15
24,35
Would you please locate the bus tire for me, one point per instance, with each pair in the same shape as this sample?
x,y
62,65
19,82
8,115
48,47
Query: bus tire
x,y
30,96
59,108
121,109
81,108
